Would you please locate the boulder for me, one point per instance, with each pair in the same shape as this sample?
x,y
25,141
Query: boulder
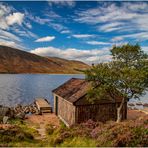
x,y
5,119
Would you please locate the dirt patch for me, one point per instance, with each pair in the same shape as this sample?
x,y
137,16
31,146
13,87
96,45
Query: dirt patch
x,y
134,114
39,122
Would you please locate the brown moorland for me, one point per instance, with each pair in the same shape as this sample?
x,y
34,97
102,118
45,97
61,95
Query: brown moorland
x,y
18,61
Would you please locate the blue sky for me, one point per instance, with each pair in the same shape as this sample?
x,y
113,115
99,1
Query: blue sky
x,y
77,30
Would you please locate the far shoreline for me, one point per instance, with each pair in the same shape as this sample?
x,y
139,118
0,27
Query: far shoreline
x,y
43,73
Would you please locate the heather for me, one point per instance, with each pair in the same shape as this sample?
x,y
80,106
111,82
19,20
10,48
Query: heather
x,y
128,133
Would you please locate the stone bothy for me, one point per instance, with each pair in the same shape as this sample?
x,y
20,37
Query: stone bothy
x,y
72,106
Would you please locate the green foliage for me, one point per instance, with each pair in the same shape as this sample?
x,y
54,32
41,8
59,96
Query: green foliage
x,y
127,73
128,54
22,124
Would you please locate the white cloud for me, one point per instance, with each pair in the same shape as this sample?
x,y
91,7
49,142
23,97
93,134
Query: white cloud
x,y
9,35
142,36
11,44
106,26
109,17
39,20
31,34
145,49
15,18
56,26
89,56
117,39
9,18
110,27
52,20
69,3
105,13
28,25
65,31
83,35
45,39
97,43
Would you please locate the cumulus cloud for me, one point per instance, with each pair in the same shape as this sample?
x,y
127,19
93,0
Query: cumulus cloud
x,y
9,18
82,35
14,21
97,43
15,18
88,56
45,39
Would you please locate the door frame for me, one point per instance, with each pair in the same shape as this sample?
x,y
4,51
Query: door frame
x,y
56,105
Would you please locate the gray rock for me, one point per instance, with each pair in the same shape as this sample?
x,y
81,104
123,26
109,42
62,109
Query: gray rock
x,y
5,119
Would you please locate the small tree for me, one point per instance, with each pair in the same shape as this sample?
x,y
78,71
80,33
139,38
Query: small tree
x,y
125,76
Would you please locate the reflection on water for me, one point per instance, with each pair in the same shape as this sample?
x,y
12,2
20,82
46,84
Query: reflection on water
x,y
24,88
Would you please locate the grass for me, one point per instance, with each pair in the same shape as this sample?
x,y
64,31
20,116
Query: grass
x,y
79,142
24,126
19,134
89,134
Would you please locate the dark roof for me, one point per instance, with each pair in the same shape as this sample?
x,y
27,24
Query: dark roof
x,y
73,89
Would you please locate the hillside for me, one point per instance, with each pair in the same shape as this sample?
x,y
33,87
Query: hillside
x,y
18,61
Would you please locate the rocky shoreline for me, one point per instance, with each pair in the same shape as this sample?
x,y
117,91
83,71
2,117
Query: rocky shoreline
x,y
138,104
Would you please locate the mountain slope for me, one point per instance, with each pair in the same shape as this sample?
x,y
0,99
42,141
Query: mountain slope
x,y
17,61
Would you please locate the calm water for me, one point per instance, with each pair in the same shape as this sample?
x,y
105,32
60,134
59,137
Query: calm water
x,y
24,88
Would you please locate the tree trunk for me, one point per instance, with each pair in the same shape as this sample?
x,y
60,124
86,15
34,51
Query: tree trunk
x,y
119,114
119,111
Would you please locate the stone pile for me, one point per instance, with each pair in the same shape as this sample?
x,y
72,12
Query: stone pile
x,y
18,111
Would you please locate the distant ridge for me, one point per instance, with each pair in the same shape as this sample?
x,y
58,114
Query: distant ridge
x,y
17,61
